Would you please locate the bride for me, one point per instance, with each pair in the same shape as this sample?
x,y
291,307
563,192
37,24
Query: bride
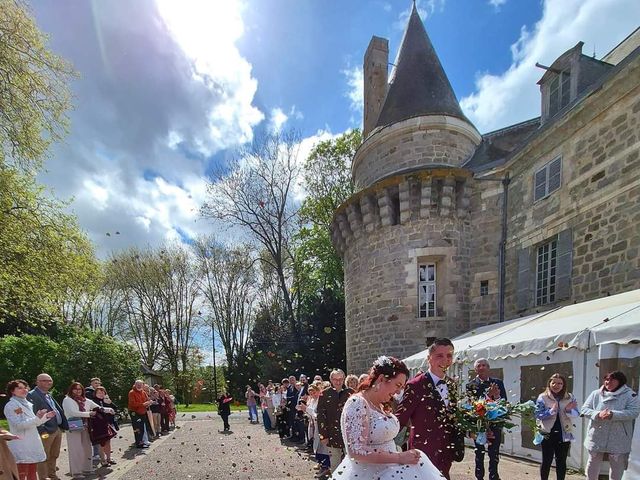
x,y
369,428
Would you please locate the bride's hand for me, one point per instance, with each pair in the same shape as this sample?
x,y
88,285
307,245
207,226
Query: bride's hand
x,y
410,457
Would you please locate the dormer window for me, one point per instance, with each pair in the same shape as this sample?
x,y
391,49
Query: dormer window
x,y
559,92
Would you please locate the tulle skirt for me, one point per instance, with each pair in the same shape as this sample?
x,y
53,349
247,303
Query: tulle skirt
x,y
349,469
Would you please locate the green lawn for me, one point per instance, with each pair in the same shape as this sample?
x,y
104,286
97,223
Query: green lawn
x,y
4,424
206,407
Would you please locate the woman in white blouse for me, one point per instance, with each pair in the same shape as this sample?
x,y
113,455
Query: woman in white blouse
x,y
78,409
279,399
27,448
321,451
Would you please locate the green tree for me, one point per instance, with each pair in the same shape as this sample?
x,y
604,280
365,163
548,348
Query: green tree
x,y
328,184
71,354
34,96
43,255
319,271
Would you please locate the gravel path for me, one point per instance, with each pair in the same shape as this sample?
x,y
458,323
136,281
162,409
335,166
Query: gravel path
x,y
198,451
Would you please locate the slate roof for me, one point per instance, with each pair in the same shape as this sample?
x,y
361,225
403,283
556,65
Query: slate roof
x,y
501,145
419,85
498,145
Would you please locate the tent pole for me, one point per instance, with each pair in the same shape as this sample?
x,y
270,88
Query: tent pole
x,y
584,397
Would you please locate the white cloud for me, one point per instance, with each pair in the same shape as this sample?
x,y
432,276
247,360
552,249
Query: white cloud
x,y
497,3
426,8
355,90
304,149
207,33
512,96
277,119
160,90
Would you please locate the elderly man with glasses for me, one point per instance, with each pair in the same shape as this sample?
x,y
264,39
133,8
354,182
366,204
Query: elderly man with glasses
x,y
51,430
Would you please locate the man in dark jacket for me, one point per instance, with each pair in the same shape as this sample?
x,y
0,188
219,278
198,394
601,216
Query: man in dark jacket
x,y
329,410
90,391
290,405
51,430
486,387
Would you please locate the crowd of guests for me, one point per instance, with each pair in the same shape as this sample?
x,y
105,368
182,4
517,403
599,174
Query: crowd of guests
x,y
301,412
152,412
385,425
87,417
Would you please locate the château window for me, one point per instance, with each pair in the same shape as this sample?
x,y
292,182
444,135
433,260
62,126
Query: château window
x,y
484,288
427,290
559,92
548,179
546,273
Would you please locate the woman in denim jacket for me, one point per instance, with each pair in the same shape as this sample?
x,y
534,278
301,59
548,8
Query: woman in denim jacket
x,y
554,409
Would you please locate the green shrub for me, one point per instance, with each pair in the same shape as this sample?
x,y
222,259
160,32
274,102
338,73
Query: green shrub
x,y
72,355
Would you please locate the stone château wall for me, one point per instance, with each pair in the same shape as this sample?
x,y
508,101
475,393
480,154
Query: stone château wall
x,y
598,203
383,232
420,142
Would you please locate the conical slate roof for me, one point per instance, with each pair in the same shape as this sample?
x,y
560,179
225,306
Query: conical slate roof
x,y
419,85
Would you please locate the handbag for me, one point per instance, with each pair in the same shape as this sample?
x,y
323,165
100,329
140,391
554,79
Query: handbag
x,y
75,424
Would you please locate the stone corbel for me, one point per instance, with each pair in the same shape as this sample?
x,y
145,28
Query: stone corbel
x,y
355,219
425,198
447,202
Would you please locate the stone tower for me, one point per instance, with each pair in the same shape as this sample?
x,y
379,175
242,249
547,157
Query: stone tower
x,y
405,236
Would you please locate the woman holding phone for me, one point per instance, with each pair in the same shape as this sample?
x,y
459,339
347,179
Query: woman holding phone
x,y
554,409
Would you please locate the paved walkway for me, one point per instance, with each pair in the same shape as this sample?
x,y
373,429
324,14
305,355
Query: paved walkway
x,y
198,451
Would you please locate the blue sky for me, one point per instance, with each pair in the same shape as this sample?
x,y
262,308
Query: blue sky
x,y
168,89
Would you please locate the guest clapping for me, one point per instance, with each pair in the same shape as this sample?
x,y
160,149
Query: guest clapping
x,y
612,409
23,422
554,407
78,409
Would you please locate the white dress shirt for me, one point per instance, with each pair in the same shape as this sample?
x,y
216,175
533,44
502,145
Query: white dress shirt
x,y
443,390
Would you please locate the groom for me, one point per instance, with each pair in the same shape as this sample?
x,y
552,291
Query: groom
x,y
428,405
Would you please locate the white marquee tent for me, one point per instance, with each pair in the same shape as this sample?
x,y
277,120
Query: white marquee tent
x,y
579,336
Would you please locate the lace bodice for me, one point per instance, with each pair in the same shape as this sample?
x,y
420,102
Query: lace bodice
x,y
366,430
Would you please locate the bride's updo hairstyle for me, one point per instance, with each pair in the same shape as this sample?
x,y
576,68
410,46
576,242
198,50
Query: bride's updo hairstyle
x,y
388,367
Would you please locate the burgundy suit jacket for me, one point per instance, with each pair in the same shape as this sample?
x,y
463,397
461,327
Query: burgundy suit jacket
x,y
432,424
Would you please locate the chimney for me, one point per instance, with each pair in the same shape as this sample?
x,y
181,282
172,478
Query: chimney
x,y
376,60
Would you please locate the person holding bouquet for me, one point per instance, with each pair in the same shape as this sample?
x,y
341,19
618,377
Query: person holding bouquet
x,y
490,389
612,409
554,409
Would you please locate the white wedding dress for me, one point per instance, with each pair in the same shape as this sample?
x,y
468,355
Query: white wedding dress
x,y
365,430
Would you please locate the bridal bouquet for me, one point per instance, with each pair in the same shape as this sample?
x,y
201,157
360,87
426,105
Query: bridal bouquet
x,y
478,416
